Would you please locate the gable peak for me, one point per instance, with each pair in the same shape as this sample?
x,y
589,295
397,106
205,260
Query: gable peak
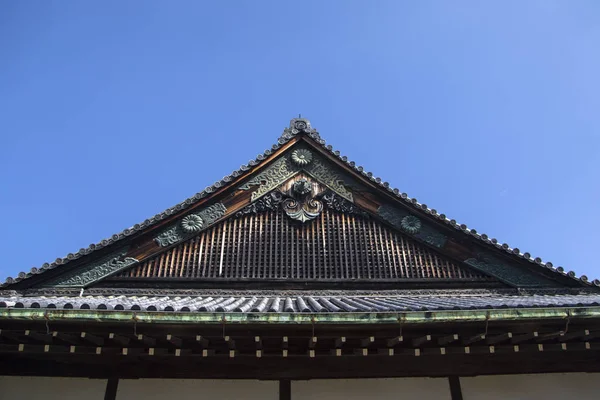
x,y
299,126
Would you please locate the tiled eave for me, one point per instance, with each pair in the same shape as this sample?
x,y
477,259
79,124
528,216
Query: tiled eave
x,y
307,303
289,134
407,318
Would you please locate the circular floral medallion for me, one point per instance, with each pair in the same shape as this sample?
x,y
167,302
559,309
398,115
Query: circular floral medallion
x,y
192,223
410,224
301,157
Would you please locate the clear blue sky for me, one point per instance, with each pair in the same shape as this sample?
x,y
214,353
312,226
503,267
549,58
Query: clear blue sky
x,y
112,111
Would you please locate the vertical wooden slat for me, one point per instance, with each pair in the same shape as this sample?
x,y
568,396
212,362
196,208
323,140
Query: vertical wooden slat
x,y
271,246
200,250
325,247
209,259
238,267
222,255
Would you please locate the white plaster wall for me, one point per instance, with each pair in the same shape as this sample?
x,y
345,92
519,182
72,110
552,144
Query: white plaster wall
x,y
42,388
578,386
381,389
196,389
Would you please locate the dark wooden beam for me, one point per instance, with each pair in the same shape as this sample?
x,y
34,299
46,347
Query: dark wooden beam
x,y
366,342
495,339
66,338
174,340
394,341
202,341
516,339
339,342
93,339
40,337
416,342
119,339
444,340
474,339
230,342
146,340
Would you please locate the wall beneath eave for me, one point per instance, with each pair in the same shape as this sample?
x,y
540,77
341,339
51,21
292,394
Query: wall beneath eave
x,y
196,389
42,388
580,386
368,389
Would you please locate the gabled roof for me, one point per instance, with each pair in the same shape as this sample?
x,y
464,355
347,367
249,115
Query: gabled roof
x,y
393,212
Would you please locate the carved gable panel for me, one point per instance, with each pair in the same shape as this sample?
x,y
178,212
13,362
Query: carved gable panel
x,y
265,243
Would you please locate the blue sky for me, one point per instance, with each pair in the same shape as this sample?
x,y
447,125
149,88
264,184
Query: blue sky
x,y
112,111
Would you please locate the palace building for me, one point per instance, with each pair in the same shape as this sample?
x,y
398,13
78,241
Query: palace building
x,y
299,276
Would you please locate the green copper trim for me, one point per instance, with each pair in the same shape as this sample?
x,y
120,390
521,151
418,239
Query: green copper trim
x,y
190,225
513,275
93,272
407,318
412,225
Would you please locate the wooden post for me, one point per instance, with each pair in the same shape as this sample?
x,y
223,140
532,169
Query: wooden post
x,y
455,390
111,389
285,389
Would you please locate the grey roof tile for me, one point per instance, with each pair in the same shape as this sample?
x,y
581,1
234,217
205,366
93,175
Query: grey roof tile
x,y
278,304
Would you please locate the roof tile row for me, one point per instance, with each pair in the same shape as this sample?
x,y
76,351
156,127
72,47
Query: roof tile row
x,y
299,304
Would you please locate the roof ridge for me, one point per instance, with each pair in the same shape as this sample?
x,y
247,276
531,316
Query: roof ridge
x,y
299,126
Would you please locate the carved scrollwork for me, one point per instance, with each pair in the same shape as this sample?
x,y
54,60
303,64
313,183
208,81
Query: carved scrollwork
x,y
300,159
272,177
190,224
268,202
338,203
95,271
301,205
302,200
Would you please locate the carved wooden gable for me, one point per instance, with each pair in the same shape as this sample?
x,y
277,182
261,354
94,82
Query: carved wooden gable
x,y
298,213
272,240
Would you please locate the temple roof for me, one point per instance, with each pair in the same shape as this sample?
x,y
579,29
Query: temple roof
x,y
309,181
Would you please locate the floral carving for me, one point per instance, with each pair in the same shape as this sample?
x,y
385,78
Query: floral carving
x,y
338,203
182,230
410,224
401,219
269,202
301,157
192,223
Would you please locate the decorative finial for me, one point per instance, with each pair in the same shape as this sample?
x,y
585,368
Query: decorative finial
x,y
298,126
